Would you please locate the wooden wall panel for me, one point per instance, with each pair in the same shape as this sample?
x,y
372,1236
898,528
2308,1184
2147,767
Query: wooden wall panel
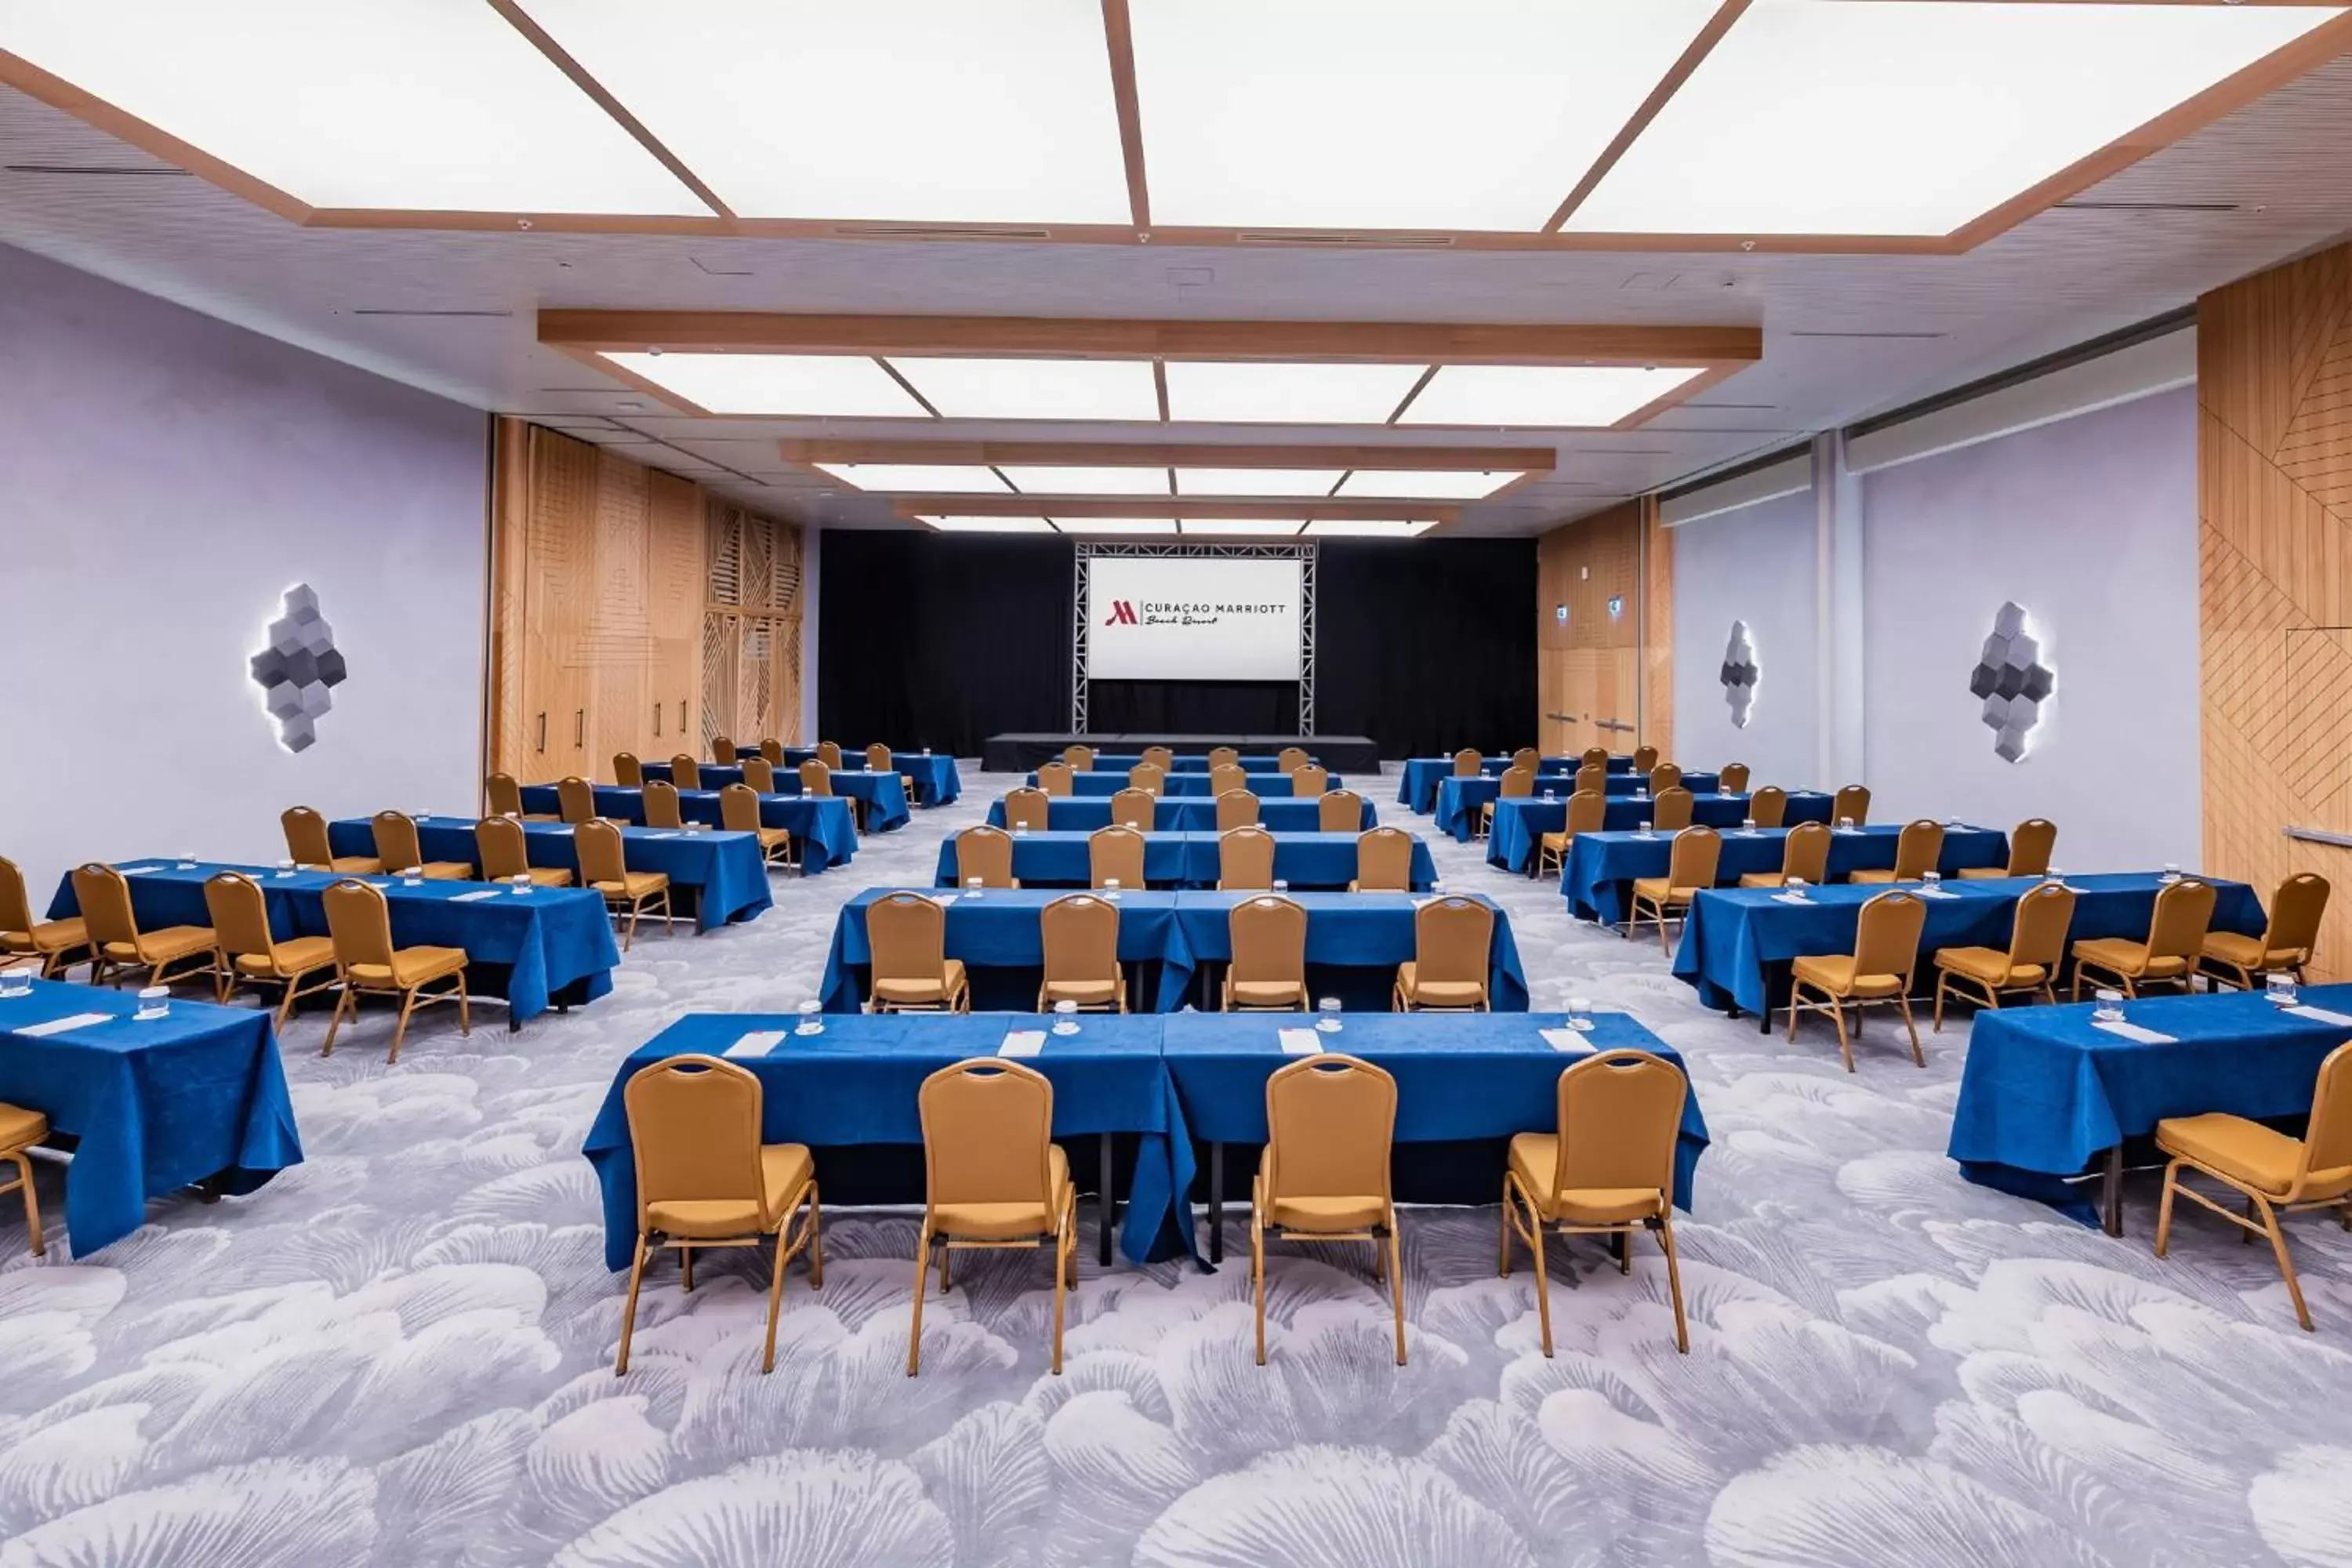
x,y
2274,505
1598,668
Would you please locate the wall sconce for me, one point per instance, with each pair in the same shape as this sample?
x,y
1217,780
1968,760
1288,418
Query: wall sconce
x,y
296,667
2013,681
1739,674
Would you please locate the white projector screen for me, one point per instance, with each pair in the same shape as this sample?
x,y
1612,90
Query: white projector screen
x,y
1192,617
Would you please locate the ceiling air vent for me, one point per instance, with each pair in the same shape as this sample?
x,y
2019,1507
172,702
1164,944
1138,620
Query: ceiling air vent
x,y
73,171
399,310
1330,238
2081,207
935,231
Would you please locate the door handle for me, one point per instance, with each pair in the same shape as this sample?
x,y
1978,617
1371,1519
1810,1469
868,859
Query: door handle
x,y
681,716
657,707
580,727
542,729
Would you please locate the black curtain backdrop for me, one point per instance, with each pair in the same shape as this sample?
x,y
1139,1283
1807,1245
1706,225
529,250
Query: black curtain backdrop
x,y
937,640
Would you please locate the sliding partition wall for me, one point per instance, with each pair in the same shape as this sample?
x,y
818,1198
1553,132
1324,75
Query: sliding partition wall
x,y
1604,632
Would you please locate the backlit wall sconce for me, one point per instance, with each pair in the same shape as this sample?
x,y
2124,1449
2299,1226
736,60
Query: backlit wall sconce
x,y
2013,681
1740,674
296,667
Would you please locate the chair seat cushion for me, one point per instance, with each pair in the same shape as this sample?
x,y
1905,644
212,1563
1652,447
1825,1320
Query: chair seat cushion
x,y
917,990
1005,1221
285,959
772,837
1989,965
411,966
1535,1160
634,885
1324,1213
2123,956
784,1169
1659,891
46,937
1834,973
1877,875
2248,952
449,870
1762,879
355,866
1085,993
1267,992
1982,873
19,1127
550,877
2232,1146
1438,993
162,946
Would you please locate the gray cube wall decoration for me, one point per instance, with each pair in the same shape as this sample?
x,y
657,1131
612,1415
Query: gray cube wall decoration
x,y
1739,674
298,667
2013,682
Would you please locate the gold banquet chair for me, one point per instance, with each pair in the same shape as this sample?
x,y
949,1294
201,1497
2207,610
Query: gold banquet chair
x,y
2275,1173
1340,811
661,806
1383,861
505,851
1309,781
685,773
1916,850
759,775
305,845
1468,764
984,854
119,948
1225,776
577,799
2176,940
912,973
604,869
358,919
1690,868
1159,757
1645,758
1731,779
816,783
880,758
1590,780
1608,1171
1079,759
628,772
722,751
1527,757
1664,777
706,1181
396,846
2029,851
249,954
1804,855
1245,860
1115,854
738,812
2037,945
1593,757
1029,808
20,1129
1150,780
1136,808
506,798
829,753
1291,759
1448,969
1769,807
1517,784
1268,972
772,751
59,944
994,1178
1885,955
1080,935
1851,804
2285,943
1672,812
1330,1125
1224,757
1236,808
1055,778
1588,812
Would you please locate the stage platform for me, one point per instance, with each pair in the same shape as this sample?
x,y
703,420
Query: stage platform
x,y
1020,753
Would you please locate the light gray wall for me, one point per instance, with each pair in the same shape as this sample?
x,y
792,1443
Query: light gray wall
x,y
2091,525
163,478
1754,564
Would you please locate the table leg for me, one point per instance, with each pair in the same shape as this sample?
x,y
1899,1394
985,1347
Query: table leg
x,y
1103,1248
1216,1203
2111,1187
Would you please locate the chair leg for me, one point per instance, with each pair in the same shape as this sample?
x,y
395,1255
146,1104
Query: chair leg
x,y
349,998
1943,984
1903,1006
2246,1236
1396,1282
923,1284
1661,933
686,1268
400,1029
286,1004
945,1252
629,1310
1257,1277
1543,1286
1675,1281
23,1163
816,1240
776,1297
1846,1041
2286,1264
2164,1213
465,1007
1503,1253
1061,1286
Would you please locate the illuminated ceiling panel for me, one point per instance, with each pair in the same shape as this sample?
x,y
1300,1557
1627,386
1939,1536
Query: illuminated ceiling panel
x,y
1255,481
990,524
1381,528
1249,392
1042,479
1109,526
1034,388
1206,528
923,478
1553,396
1424,484
751,384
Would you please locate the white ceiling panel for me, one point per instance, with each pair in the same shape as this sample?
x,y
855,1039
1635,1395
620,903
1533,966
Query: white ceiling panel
x,y
1367,528
1230,528
926,478
1034,388
1116,527
1255,481
847,385
1423,484
1242,391
1541,395
1038,479
990,524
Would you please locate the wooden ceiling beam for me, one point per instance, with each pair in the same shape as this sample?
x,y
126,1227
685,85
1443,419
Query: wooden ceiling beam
x,y
1177,455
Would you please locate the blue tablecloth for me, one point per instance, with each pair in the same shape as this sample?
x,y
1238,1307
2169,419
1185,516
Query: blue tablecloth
x,y
937,782
1186,763
1000,932
1417,786
1460,1076
1602,865
857,1084
2044,1090
1458,800
1360,938
1100,785
551,947
721,871
156,1104
1276,815
1733,935
1304,860
884,797
824,833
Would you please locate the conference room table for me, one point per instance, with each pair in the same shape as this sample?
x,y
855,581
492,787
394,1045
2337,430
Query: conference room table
x,y
823,832
1737,942
1458,801
1304,860
1354,943
1598,879
2048,1093
882,797
937,780
1417,786
551,947
1067,814
1463,1078
720,873
1098,785
197,1097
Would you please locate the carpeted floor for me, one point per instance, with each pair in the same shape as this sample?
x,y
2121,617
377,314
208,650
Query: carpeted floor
x,y
401,1351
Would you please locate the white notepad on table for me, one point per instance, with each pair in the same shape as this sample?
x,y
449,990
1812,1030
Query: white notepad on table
x,y
477,896
1022,1043
666,833
2134,1033
944,899
60,1026
1790,898
1936,892
757,1043
1301,1043
1567,1039
137,871
2317,1014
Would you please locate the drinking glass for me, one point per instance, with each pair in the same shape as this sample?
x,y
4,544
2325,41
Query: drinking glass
x,y
1066,1017
1329,1022
1931,880
412,876
2110,1008
812,1018
286,868
973,887
1111,889
1281,886
154,1002
2279,986
1580,1014
521,883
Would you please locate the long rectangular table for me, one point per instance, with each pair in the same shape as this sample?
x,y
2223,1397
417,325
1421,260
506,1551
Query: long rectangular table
x,y
720,873
1520,823
1067,814
1100,785
823,832
1602,867
1458,800
1321,860
882,796
1259,768
155,1105
1018,752
551,947
2046,1094
936,781
1356,939
1738,944
1417,784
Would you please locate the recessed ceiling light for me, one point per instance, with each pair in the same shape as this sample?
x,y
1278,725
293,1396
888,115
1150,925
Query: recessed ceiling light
x,y
1234,528
1038,479
990,524
1034,388
1256,481
1367,528
922,478
1425,484
1575,397
1247,391
1109,526
754,385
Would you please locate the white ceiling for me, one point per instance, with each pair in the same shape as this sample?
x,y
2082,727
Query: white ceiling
x,y
1844,337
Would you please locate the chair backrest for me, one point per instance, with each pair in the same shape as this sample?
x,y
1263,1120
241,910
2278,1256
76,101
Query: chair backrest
x,y
2295,912
1136,808
2183,912
816,777
661,805
1224,776
1518,781
1692,862
2043,915
1886,935
1806,852
880,760
628,772
16,907
1670,811
1268,934
1340,811
1732,778
1159,757
988,1130
604,854
1115,854
306,840
1917,848
359,921
685,773
1081,937
104,895
1224,757
986,853
2327,1138
1450,939
909,934
395,841
694,1128
1245,858
1330,1121
2029,846
239,914
739,808
1310,781
498,845
1291,759
829,753
1028,808
1769,806
772,751
1527,757
1620,1113
1384,860
1080,758
1467,763
505,795
1236,808
1149,778
1588,811
1664,777
1591,779
575,799
1644,758
759,773
1054,778
1594,757
722,751
1852,804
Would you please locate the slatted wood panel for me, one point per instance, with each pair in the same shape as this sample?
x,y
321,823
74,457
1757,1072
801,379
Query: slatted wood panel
x,y
752,625
1596,669
2275,499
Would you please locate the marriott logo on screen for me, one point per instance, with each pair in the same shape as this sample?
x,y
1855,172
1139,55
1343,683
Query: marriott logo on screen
x,y
1122,613
1182,613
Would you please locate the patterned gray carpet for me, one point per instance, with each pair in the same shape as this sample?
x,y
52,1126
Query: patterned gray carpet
x,y
401,1351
